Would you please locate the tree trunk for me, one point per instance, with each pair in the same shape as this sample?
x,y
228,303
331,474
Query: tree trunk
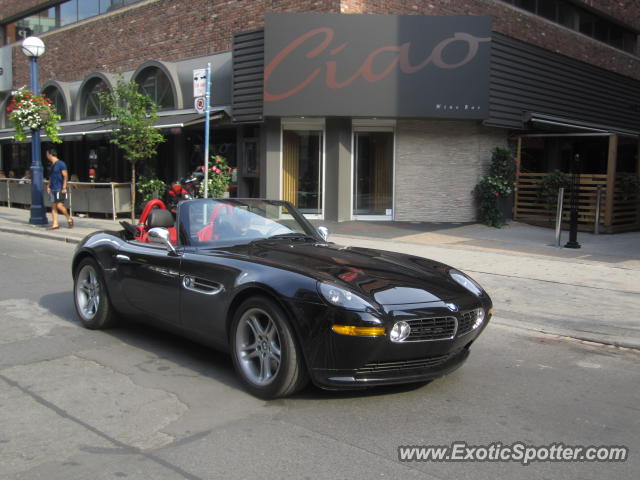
x,y
133,193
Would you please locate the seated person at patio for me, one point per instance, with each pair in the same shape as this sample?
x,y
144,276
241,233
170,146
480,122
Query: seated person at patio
x,y
26,178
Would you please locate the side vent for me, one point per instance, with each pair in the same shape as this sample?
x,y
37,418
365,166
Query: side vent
x,y
199,285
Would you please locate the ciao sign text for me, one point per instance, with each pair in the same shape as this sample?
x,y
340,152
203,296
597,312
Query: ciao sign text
x,y
319,40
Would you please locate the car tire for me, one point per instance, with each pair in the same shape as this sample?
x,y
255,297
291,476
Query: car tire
x,y
264,350
91,298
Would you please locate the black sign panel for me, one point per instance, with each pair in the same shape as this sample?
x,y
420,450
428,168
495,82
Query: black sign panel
x,y
376,65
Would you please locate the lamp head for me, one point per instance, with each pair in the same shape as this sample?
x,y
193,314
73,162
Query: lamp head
x,y
33,47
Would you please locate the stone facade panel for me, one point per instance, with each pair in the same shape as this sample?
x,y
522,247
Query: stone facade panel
x,y
438,164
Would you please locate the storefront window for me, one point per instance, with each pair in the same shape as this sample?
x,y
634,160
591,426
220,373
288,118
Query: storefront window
x,y
302,175
65,13
88,8
373,174
68,12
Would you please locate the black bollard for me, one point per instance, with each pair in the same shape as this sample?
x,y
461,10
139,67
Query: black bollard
x,y
573,218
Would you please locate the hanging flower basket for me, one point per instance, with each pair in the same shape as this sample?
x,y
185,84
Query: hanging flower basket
x,y
32,112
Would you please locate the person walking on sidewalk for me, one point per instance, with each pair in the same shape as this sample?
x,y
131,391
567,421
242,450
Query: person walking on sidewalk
x,y
57,189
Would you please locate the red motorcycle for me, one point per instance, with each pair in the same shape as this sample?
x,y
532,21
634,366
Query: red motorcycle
x,y
186,188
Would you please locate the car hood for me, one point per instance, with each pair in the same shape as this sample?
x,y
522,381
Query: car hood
x,y
389,278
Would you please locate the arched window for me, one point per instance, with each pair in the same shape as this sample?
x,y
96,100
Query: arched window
x,y
90,104
155,83
55,95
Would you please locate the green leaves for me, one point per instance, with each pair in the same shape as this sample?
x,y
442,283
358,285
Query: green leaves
x,y
499,183
135,114
31,112
151,188
549,187
219,176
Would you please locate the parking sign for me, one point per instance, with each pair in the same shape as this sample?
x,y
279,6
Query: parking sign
x,y
200,82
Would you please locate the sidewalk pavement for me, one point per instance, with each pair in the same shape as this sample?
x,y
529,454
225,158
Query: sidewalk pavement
x,y
591,293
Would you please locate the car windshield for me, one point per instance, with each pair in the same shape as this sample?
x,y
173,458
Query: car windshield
x,y
213,223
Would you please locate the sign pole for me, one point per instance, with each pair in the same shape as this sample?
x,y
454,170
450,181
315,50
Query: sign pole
x,y
206,131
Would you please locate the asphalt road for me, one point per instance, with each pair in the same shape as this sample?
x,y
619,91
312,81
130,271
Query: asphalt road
x,y
137,403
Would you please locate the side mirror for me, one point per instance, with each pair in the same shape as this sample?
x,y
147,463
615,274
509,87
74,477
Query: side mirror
x,y
162,236
324,233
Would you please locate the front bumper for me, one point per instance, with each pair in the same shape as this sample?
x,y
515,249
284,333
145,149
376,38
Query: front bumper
x,y
342,361
390,373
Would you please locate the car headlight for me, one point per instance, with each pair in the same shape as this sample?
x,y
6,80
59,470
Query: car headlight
x,y
400,331
466,282
341,297
479,318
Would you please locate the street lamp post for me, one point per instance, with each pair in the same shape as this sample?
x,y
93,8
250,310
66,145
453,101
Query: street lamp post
x,y
33,48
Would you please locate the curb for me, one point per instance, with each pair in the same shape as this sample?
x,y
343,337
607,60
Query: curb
x,y
45,236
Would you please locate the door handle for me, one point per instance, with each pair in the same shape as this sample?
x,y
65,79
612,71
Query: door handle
x,y
122,258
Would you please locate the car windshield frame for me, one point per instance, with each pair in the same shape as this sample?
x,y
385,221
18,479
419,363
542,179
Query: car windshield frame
x,y
198,219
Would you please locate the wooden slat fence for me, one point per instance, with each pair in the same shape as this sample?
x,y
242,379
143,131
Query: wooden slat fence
x,y
530,208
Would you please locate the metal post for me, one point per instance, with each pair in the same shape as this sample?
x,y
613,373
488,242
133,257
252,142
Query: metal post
x,y
575,185
38,212
69,190
206,131
596,226
559,215
113,201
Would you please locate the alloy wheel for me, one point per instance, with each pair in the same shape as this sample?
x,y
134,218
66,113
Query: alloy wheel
x,y
258,346
88,292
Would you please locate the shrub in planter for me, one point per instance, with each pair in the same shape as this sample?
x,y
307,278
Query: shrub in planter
x,y
219,177
549,187
150,188
496,186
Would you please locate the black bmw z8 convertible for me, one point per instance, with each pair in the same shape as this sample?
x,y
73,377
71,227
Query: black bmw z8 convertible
x,y
256,279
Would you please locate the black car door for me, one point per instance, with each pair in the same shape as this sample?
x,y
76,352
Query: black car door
x,y
208,281
150,278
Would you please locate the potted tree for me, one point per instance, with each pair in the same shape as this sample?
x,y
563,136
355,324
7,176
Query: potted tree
x,y
134,114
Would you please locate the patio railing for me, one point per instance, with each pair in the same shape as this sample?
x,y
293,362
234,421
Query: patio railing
x,y
83,197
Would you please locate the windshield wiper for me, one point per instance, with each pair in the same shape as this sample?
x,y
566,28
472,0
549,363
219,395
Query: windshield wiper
x,y
292,236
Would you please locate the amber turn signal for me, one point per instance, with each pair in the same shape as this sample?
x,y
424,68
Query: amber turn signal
x,y
359,331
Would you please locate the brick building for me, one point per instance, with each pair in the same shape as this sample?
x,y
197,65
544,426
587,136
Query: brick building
x,y
384,116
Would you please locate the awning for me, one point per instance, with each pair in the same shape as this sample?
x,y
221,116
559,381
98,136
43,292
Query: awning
x,y
564,125
95,127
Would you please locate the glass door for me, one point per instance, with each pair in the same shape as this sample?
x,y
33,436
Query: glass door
x,y
373,175
302,170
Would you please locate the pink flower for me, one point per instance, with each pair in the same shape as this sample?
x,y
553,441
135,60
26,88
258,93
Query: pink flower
x,y
497,194
218,159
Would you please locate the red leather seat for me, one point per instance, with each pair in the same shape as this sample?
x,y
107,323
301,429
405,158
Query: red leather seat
x,y
160,218
152,217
